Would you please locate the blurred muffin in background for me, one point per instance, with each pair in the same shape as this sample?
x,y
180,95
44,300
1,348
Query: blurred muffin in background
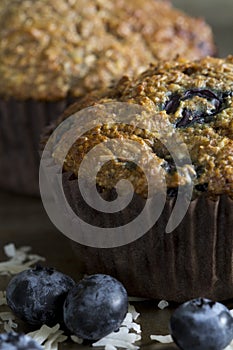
x,y
54,51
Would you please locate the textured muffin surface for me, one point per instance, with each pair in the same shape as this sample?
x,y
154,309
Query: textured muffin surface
x,y
50,48
193,100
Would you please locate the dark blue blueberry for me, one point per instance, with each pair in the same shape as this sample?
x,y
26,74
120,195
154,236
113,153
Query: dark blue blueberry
x,y
190,117
37,295
95,307
15,341
202,324
173,104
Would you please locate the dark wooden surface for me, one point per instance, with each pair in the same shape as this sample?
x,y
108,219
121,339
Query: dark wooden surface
x,y
24,221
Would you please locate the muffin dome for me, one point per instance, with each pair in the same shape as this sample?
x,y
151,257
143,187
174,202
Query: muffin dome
x,y
52,48
191,99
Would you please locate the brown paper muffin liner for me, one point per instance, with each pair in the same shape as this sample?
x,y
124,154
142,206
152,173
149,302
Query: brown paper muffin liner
x,y
195,260
21,123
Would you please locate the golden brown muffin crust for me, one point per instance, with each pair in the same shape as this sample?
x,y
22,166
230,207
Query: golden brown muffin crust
x,y
193,100
50,48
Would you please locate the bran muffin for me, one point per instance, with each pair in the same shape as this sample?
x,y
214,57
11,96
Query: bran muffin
x,y
191,99
52,52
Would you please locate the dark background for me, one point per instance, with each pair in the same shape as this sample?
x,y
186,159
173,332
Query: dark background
x,y
218,14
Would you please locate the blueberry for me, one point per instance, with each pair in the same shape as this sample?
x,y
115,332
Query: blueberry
x,y
37,295
202,324
200,116
95,307
173,104
15,341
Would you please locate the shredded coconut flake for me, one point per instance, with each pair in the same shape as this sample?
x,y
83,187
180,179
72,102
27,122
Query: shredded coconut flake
x,y
19,260
76,339
165,339
132,310
110,347
43,333
10,326
128,322
121,339
163,304
54,340
9,250
8,318
48,337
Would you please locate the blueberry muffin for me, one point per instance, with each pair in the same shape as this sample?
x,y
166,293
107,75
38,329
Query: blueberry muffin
x,y
193,102
52,52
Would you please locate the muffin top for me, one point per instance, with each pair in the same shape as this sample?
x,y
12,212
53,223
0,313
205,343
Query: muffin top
x,y
187,101
51,48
